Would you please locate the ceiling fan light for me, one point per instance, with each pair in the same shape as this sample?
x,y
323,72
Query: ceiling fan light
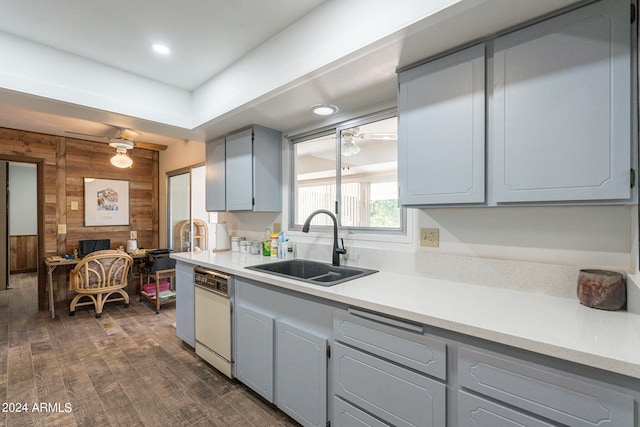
x,y
349,148
324,109
121,160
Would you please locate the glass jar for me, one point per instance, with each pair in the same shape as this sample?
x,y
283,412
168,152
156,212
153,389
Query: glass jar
x,y
235,243
255,247
244,246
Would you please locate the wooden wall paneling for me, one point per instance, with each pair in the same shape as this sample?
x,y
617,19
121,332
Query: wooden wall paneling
x,y
64,164
23,253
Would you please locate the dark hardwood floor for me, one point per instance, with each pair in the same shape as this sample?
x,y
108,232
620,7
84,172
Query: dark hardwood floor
x,y
127,368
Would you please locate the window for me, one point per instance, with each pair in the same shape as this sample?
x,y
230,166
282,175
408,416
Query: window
x,y
351,169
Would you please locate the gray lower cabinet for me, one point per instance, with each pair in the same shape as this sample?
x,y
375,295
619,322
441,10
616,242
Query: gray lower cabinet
x,y
474,411
548,393
185,303
347,415
281,349
254,350
301,374
381,374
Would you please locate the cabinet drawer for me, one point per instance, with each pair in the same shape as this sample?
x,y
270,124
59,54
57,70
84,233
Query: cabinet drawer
x,y
346,415
411,349
474,411
549,393
390,392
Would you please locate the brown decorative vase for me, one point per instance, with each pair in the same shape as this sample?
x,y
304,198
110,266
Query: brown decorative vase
x,y
602,289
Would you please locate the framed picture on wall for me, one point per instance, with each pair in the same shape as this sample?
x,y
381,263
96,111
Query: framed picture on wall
x,y
106,202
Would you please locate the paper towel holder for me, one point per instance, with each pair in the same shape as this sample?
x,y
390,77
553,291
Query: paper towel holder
x,y
222,237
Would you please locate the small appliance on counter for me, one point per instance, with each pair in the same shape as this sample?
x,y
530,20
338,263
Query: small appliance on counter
x,y
132,246
222,237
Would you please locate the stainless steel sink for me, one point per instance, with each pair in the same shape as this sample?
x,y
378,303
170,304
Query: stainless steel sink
x,y
314,272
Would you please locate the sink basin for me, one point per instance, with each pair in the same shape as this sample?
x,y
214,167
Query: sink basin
x,y
314,272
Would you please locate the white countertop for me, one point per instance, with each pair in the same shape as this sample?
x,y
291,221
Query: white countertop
x,y
558,327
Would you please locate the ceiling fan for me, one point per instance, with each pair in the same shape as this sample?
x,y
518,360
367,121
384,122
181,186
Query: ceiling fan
x,y
349,137
126,138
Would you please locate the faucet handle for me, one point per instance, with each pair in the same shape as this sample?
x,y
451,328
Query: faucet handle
x,y
341,250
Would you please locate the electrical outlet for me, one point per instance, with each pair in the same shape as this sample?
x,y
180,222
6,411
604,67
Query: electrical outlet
x,y
133,235
430,237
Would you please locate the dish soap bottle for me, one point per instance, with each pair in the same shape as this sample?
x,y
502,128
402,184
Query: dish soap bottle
x,y
266,242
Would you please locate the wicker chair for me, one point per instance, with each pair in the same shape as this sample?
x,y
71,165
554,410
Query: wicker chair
x,y
99,275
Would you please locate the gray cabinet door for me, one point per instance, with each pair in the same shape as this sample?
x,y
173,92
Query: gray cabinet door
x,y
254,351
301,375
411,349
346,415
239,171
441,147
552,394
474,411
399,396
215,176
267,173
185,308
562,108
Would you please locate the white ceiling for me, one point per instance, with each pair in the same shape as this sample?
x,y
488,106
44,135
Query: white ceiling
x,y
205,36
83,65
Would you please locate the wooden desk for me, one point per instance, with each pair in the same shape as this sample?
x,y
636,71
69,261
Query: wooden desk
x,y
53,263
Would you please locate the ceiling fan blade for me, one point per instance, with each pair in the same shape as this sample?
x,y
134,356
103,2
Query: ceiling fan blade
x,y
129,134
150,146
86,134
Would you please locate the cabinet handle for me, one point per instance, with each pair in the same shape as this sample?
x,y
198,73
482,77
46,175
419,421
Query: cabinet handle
x,y
386,320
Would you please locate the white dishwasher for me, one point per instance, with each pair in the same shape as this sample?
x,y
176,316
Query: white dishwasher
x,y
213,318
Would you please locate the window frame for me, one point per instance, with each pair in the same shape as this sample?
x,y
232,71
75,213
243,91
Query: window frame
x,y
336,129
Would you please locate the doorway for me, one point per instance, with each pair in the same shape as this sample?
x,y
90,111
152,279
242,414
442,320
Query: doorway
x,y
18,220
37,242
188,222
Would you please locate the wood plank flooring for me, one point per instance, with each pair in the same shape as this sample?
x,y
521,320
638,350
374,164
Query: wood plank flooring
x,y
127,368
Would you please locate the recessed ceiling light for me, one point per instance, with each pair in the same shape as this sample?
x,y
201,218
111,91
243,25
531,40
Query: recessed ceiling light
x,y
324,109
161,49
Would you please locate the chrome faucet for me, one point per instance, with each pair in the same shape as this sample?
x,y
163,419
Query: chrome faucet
x,y
336,250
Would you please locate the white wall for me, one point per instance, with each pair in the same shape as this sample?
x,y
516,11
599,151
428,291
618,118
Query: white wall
x,y
198,204
23,201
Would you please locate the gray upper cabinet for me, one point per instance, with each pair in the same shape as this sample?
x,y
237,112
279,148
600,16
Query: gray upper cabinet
x,y
244,171
215,176
562,108
441,146
239,166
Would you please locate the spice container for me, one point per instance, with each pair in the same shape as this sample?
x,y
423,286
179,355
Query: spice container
x,y
235,243
244,246
274,245
255,247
